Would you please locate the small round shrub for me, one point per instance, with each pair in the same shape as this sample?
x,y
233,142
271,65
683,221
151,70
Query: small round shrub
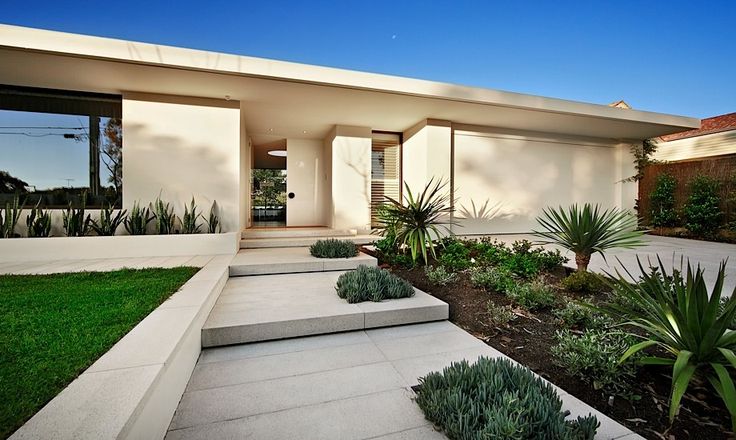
x,y
497,399
584,282
500,316
369,283
454,255
492,278
662,200
702,210
439,275
532,296
580,316
333,248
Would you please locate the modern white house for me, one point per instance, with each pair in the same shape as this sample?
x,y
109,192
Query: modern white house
x,y
198,123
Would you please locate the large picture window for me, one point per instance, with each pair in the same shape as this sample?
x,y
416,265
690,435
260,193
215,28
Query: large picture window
x,y
56,146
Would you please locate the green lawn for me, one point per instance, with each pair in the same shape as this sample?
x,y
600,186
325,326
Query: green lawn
x,y
52,327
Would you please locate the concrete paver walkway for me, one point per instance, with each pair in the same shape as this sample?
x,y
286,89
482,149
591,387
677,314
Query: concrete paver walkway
x,y
354,385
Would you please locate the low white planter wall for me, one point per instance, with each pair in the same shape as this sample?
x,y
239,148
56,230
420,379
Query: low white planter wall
x,y
119,246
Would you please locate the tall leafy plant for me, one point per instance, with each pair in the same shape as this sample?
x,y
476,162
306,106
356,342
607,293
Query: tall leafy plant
x,y
76,222
419,221
109,221
686,320
9,217
137,222
165,218
662,200
702,211
588,230
38,221
213,220
189,219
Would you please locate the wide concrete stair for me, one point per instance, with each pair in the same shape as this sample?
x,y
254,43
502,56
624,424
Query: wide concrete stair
x,y
286,293
298,237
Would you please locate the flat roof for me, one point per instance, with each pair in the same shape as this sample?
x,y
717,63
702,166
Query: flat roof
x,y
106,49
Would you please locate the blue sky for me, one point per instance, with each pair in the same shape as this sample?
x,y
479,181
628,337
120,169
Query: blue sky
x,y
667,56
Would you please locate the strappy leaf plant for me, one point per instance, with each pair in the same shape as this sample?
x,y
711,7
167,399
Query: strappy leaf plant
x,y
76,223
38,221
588,230
109,221
165,218
686,320
189,219
137,222
418,222
213,220
9,217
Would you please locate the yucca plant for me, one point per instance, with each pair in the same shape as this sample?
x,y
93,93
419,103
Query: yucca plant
x,y
137,222
76,223
38,221
680,316
213,220
588,230
9,218
108,224
163,212
417,224
189,219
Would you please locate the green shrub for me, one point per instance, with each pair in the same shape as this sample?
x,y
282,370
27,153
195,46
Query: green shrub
x,y
702,211
500,316
137,222
497,399
492,278
589,230
532,296
439,275
521,259
662,200
593,357
454,255
584,282
417,223
9,217
38,221
368,283
490,251
682,318
189,219
163,212
333,248
76,224
579,315
107,223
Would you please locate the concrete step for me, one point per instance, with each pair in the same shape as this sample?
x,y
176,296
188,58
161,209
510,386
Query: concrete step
x,y
297,232
269,307
268,261
283,242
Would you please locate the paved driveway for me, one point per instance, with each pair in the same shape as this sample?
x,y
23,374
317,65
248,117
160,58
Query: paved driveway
x,y
670,250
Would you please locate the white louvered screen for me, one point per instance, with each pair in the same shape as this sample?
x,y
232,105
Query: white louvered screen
x,y
385,170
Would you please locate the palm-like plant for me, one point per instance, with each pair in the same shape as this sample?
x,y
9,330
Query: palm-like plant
x,y
588,230
683,318
417,224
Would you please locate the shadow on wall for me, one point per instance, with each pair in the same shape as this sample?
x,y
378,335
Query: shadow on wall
x,y
179,170
361,166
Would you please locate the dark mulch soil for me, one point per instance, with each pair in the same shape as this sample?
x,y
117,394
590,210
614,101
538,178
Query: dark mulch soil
x,y
528,340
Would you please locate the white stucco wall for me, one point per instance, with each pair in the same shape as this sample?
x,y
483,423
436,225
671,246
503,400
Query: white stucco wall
x,y
183,147
304,171
427,154
503,180
348,152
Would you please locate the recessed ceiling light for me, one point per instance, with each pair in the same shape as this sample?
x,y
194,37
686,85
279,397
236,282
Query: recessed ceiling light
x,y
305,131
277,153
270,130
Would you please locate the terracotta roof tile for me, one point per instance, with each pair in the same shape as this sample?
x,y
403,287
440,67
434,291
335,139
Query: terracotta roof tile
x,y
707,126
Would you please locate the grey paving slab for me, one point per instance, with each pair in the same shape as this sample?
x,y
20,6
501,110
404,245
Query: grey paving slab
x,y
227,403
412,368
609,428
423,345
291,260
362,417
422,433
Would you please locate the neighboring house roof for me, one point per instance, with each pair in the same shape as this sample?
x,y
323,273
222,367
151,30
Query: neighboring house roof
x,y
707,126
620,104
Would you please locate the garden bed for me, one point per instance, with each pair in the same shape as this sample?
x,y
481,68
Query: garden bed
x,y
530,337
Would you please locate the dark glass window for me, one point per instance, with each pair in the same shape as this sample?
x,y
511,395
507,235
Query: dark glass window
x,y
57,145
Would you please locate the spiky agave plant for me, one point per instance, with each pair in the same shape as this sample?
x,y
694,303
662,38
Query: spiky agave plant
x,y
9,220
418,222
38,221
165,218
588,230
76,223
213,220
137,222
680,316
109,222
189,219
